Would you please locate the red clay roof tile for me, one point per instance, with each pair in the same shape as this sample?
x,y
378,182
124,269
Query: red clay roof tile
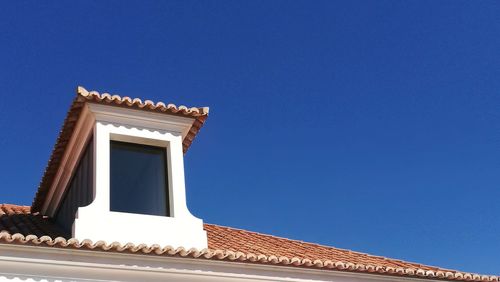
x,y
19,226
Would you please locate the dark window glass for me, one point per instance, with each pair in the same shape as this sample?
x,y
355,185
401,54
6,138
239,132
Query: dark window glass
x,y
138,179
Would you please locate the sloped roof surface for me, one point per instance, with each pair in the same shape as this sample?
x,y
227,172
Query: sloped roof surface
x,y
19,226
83,96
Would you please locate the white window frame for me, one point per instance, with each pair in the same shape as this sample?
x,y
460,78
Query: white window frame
x,y
165,145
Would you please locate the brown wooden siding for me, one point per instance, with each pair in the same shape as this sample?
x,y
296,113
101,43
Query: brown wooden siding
x,y
79,193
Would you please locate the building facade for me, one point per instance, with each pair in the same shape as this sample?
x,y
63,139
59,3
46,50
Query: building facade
x,y
111,206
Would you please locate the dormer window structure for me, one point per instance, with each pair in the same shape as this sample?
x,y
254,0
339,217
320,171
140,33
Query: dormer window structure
x,y
117,172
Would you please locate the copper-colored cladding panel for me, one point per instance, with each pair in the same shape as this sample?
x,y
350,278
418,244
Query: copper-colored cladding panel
x,y
19,226
83,96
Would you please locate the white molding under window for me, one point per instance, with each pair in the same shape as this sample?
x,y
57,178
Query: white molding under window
x,y
132,117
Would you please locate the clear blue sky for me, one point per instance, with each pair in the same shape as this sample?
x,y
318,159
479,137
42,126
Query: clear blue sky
x,y
366,125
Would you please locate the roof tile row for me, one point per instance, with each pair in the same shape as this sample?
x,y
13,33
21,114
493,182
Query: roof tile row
x,y
20,226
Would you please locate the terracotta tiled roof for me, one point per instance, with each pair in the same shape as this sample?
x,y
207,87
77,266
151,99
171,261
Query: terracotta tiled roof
x,y
83,96
19,226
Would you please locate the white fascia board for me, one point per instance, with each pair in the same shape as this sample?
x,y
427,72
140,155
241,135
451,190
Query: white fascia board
x,y
135,117
18,262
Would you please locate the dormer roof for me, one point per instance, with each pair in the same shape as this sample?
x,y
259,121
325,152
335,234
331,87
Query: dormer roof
x,y
199,114
20,226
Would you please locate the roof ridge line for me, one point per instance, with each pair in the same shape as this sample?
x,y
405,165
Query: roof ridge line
x,y
90,95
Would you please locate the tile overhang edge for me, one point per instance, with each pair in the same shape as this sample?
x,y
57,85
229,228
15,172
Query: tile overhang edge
x,y
240,257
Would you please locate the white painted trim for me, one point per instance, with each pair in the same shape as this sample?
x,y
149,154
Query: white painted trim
x,y
134,117
29,262
139,139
